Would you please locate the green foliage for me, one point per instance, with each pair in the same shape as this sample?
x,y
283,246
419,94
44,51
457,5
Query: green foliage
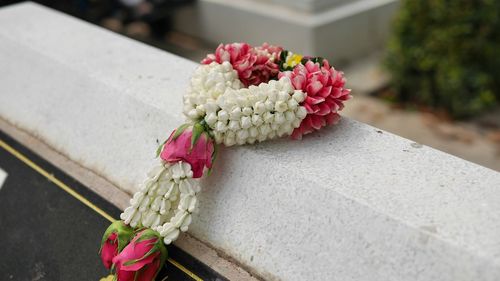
x,y
446,54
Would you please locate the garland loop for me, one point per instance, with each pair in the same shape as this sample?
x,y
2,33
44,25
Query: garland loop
x,y
239,95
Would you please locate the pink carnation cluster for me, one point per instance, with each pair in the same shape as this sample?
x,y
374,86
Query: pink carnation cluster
x,y
325,91
254,65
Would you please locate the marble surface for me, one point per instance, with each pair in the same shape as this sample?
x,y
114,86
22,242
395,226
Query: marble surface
x,y
349,203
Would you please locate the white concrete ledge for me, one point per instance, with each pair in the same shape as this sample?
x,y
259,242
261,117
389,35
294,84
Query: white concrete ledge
x,y
342,31
349,203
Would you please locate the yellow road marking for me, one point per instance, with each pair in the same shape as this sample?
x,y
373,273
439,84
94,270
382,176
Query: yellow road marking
x,y
79,197
185,270
53,179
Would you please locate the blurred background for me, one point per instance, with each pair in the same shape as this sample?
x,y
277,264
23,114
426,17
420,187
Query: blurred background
x,y
426,70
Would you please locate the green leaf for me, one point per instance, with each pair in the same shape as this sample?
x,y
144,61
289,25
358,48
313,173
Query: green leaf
x,y
198,129
283,55
160,148
123,231
214,156
180,130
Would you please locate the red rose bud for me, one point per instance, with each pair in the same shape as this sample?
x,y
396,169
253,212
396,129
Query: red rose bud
x,y
113,241
191,144
142,258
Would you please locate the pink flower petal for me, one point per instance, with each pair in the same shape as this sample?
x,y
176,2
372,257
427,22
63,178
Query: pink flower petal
x,y
198,156
298,82
313,88
325,94
149,272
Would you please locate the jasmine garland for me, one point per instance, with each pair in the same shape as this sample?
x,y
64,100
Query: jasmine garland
x,y
239,95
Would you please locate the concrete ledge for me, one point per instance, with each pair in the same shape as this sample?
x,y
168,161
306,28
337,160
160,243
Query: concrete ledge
x,y
349,203
341,33
119,198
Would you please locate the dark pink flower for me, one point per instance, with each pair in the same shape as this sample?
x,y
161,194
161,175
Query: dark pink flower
x,y
253,65
142,258
180,146
113,241
109,250
324,87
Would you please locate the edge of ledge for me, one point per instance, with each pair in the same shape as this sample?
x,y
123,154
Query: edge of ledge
x,y
219,262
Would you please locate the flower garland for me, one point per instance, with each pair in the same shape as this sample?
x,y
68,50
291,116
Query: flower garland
x,y
239,95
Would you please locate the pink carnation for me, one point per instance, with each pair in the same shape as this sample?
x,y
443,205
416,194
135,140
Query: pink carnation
x,y
268,50
324,87
254,65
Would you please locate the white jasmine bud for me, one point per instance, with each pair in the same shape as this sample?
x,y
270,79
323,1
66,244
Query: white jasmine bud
x,y
147,218
126,216
296,123
246,122
272,95
222,115
269,105
280,106
235,114
264,129
283,96
289,116
229,141
234,125
247,111
286,85
257,120
135,219
242,135
226,66
200,109
192,205
268,117
220,127
259,107
285,129
211,107
301,112
230,133
193,114
171,236
186,167
279,118
292,104
211,118
185,224
155,206
165,206
253,131
298,96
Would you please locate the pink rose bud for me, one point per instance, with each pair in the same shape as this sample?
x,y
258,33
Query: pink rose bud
x,y
142,258
113,241
191,144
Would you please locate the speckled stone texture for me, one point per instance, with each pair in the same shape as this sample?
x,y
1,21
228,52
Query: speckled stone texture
x,y
348,203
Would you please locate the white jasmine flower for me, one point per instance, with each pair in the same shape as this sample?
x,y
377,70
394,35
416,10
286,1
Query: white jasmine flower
x,y
207,84
166,201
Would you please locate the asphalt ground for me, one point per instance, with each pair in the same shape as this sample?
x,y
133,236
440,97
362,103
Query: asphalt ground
x,y
51,225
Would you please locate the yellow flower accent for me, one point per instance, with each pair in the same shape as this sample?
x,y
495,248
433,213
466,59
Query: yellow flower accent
x,y
293,60
110,277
